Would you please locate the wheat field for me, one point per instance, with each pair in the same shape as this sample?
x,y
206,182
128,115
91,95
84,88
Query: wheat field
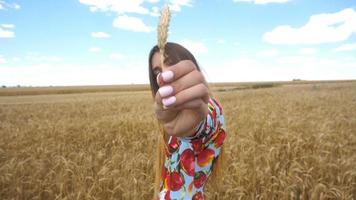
x,y
285,141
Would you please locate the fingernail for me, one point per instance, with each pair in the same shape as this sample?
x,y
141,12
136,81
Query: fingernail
x,y
167,76
165,91
158,78
169,101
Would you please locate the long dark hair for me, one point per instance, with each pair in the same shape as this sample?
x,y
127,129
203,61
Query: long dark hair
x,y
174,53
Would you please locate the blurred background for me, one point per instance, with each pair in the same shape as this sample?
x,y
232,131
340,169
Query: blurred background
x,y
95,42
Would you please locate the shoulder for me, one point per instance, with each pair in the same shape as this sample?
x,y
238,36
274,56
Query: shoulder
x,y
215,114
215,106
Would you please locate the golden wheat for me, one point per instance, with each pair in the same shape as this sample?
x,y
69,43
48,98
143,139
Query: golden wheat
x,y
162,32
284,142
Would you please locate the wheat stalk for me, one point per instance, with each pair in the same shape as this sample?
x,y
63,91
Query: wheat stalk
x,y
162,32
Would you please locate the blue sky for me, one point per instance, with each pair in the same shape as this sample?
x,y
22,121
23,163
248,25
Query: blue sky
x,y
104,42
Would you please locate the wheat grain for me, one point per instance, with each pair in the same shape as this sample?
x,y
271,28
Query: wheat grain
x,y
162,32
285,142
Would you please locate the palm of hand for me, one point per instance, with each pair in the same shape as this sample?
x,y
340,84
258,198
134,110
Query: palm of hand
x,y
183,122
181,101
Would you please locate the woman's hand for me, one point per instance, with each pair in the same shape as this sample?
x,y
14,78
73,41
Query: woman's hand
x,y
181,102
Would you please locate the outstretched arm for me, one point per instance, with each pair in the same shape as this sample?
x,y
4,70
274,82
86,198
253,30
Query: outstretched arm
x,y
181,101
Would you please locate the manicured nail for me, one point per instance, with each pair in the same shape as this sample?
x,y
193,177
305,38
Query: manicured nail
x,y
167,76
158,79
169,101
165,91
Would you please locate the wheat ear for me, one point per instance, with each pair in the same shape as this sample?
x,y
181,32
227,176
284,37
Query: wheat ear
x,y
162,32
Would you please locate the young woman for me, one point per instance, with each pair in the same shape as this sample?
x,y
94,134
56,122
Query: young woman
x,y
192,125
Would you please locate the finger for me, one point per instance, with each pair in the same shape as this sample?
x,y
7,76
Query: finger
x,y
162,112
195,92
176,71
158,99
189,80
164,115
193,104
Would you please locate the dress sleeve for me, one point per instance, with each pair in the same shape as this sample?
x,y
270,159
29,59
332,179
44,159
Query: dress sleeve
x,y
210,126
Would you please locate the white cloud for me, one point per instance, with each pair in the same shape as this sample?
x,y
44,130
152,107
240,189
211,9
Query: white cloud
x,y
286,68
16,59
118,6
93,9
116,56
70,74
4,5
94,49
6,33
233,69
36,57
30,58
175,5
346,47
155,11
221,41
131,24
47,59
16,6
133,6
308,51
194,47
321,28
8,26
294,60
153,1
122,8
2,60
100,35
237,70
268,53
263,1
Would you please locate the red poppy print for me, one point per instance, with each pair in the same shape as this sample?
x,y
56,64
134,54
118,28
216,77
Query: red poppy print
x,y
174,181
198,196
167,196
164,173
174,144
218,141
197,145
190,188
205,157
187,161
184,156
199,179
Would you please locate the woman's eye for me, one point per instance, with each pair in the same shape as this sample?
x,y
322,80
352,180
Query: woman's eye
x,y
156,72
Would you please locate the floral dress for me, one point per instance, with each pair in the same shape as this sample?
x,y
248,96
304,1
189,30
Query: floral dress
x,y
190,160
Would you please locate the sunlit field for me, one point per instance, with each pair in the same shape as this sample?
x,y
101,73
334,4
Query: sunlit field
x,y
287,140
